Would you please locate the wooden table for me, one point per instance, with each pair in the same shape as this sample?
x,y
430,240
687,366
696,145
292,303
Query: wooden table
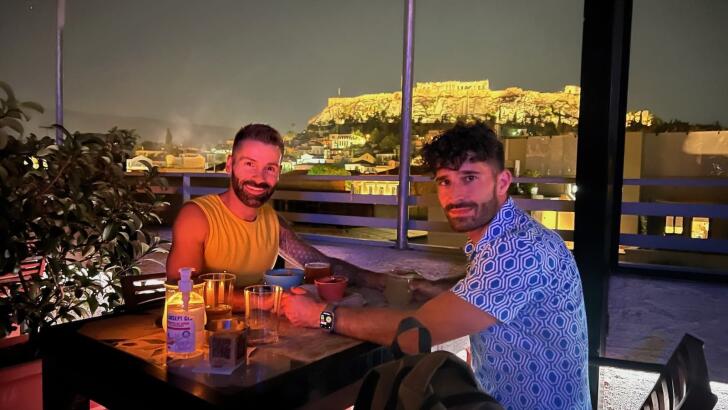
x,y
118,361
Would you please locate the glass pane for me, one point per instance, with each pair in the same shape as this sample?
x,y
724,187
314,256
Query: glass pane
x,y
234,63
676,150
675,177
186,75
478,60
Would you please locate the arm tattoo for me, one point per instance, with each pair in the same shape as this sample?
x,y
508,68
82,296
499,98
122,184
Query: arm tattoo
x,y
293,249
296,251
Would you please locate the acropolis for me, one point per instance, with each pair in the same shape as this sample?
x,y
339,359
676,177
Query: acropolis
x,y
449,100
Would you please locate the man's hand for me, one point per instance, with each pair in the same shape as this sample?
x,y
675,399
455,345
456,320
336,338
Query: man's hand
x,y
301,310
358,276
262,302
298,252
423,289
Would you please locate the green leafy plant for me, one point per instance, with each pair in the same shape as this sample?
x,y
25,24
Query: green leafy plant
x,y
327,169
71,204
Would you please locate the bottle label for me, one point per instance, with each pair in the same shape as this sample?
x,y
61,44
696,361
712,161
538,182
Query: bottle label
x,y
180,334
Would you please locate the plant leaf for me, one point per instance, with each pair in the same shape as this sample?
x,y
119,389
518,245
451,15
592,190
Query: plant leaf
x,y
63,129
145,248
108,230
8,90
45,151
93,304
12,123
137,222
33,106
146,164
3,139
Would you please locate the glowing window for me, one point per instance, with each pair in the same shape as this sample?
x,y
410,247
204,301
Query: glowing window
x,y
548,219
700,227
566,221
673,225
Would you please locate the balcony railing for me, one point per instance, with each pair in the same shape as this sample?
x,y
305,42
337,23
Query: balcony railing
x,y
698,255
333,189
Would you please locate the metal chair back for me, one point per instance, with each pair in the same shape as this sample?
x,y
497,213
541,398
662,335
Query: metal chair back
x,y
684,382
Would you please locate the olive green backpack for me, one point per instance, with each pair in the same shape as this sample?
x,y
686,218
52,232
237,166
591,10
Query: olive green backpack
x,y
437,380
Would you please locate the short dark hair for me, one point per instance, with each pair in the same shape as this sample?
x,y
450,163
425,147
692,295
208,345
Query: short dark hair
x,y
259,132
464,143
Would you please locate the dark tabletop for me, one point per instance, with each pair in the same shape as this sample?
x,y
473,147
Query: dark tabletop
x,y
119,361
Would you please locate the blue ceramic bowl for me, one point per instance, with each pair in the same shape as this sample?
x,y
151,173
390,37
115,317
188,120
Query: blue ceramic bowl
x,y
285,278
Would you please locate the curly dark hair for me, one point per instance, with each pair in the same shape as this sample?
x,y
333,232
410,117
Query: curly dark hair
x,y
464,143
259,132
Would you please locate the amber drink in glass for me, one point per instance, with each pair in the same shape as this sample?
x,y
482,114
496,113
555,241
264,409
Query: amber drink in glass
x,y
316,270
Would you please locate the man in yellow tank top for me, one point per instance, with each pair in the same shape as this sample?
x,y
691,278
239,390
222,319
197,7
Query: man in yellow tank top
x,y
236,231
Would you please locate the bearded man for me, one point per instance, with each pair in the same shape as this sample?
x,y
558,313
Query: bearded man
x,y
521,300
237,231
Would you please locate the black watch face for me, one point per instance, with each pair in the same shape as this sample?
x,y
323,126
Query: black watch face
x,y
327,320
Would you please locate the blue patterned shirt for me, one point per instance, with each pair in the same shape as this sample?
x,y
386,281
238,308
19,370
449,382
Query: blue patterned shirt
x,y
523,275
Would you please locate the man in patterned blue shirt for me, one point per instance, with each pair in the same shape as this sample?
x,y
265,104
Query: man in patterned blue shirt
x,y
521,300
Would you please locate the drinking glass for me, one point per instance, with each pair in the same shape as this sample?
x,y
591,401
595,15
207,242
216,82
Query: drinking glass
x,y
218,295
316,270
262,306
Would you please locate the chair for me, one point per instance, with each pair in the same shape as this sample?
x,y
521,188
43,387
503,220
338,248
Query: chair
x,y
32,266
142,289
684,382
29,267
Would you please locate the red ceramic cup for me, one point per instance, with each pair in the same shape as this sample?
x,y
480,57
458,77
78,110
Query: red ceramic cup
x,y
331,288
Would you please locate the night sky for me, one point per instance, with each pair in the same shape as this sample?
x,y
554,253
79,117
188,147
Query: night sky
x,y
228,63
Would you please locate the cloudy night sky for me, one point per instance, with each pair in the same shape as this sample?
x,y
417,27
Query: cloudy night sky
x,y
228,63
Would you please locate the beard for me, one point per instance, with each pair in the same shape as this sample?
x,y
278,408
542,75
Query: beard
x,y
252,201
482,215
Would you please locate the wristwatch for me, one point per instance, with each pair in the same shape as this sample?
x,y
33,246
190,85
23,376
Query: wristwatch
x,y
328,318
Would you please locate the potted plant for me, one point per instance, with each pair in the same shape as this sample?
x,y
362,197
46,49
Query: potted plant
x,y
70,204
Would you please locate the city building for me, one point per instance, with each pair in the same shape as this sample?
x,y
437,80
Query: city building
x,y
346,140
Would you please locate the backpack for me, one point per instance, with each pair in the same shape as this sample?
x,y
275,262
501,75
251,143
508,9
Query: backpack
x,y
437,380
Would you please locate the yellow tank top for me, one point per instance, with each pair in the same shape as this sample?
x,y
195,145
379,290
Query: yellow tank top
x,y
234,245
